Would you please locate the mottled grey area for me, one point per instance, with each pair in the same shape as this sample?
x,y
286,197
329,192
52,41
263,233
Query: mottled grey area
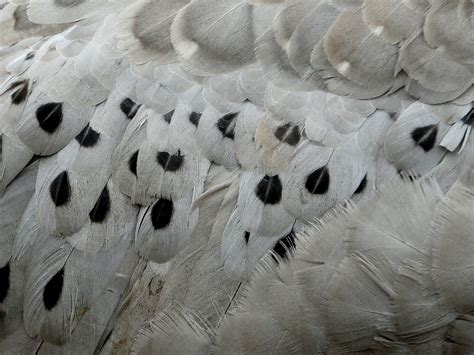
x,y
144,27
21,20
68,3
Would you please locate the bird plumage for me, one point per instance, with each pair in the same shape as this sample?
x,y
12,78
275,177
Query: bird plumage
x,y
153,153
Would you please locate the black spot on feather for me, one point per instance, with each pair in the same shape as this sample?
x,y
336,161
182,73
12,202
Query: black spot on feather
x,y
288,134
168,116
362,186
4,281
194,118
21,92
30,55
170,162
132,163
161,213
247,237
88,137
129,108
425,136
226,125
284,246
317,183
50,116
60,190
269,190
53,289
101,208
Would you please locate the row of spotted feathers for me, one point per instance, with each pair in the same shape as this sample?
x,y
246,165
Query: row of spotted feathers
x,y
121,120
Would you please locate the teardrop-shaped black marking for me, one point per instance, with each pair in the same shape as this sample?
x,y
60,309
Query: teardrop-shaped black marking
x,y
288,134
132,163
60,190
284,246
425,136
50,116
269,190
226,125
168,116
53,289
469,118
88,137
317,182
21,92
129,108
362,186
247,237
194,118
4,281
170,162
161,213
101,208
30,55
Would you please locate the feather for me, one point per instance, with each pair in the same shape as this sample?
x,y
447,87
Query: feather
x,y
307,35
260,204
50,11
165,227
215,136
46,127
276,65
315,181
386,18
144,31
348,40
174,331
451,274
286,21
202,42
420,61
413,141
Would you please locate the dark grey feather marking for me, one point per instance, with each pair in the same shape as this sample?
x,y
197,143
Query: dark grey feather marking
x,y
288,134
129,108
88,137
4,281
101,208
132,163
284,246
170,162
425,136
317,183
194,118
30,55
53,289
60,190
19,95
269,190
161,213
226,125
247,237
68,3
168,116
362,186
22,23
469,118
50,116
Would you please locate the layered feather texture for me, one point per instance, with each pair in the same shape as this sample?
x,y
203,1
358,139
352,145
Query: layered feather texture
x,y
379,276
159,149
